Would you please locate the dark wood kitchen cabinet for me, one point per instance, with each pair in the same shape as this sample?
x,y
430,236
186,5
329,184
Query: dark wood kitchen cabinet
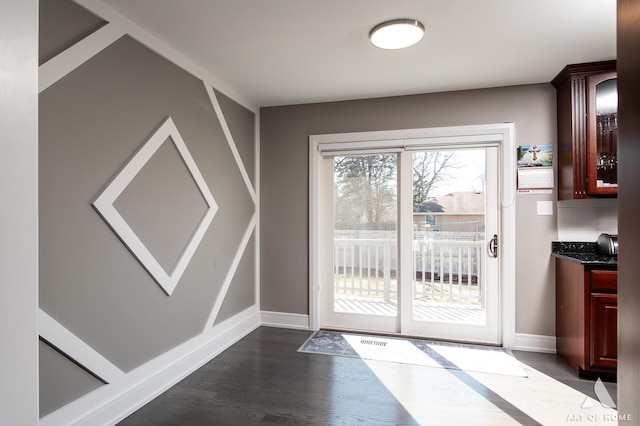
x,y
587,318
587,130
604,330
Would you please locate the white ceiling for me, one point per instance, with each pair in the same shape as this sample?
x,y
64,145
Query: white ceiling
x,y
278,52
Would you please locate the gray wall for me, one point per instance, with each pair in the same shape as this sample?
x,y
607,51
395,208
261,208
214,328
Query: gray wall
x,y
92,122
61,380
55,38
284,182
19,212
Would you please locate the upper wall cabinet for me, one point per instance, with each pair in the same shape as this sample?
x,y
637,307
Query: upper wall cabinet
x,y
587,130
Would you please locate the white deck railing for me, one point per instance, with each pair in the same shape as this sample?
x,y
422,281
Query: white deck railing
x,y
365,267
443,270
448,270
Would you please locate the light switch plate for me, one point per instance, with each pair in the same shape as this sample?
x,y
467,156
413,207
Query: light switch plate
x,y
545,208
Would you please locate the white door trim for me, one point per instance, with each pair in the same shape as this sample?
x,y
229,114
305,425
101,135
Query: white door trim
x,y
374,140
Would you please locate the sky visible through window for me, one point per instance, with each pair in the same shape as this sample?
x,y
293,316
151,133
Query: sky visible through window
x,y
467,173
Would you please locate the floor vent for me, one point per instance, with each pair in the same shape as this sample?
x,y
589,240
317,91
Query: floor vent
x,y
373,342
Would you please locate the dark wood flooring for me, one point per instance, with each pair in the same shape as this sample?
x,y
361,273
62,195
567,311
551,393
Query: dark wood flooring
x,y
262,379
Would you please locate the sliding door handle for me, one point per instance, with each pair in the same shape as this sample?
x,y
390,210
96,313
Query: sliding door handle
x,y
493,246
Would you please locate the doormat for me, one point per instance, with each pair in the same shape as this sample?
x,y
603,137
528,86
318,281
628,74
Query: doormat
x,y
428,353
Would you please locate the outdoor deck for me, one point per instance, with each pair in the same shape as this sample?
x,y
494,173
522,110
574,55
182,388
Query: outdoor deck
x,y
447,276
448,313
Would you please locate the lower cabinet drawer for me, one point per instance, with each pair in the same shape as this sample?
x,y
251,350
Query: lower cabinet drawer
x,y
604,281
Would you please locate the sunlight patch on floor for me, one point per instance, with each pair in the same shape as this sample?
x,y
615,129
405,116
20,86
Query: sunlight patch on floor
x,y
433,396
437,396
486,361
548,400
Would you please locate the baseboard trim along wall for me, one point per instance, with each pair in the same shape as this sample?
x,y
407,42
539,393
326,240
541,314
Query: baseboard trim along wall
x,y
284,320
112,403
534,343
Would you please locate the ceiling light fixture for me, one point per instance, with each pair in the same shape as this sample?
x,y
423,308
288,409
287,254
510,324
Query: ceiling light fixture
x,y
397,34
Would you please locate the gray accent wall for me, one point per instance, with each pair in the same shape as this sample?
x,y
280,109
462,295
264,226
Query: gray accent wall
x,y
92,123
242,292
63,23
284,154
61,381
241,124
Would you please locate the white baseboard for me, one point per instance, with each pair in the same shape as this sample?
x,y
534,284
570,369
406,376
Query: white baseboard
x,y
284,320
534,343
113,402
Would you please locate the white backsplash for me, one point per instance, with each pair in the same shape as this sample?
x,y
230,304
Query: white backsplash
x,y
584,220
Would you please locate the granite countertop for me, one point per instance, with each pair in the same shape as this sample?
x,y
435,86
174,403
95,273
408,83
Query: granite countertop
x,y
584,253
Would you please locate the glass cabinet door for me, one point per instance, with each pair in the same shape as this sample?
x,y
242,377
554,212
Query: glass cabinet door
x,y
602,134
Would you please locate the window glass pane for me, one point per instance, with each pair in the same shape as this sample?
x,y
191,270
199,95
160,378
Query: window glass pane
x,y
366,234
449,236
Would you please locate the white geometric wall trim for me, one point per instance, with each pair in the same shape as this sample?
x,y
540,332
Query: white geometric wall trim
x,y
112,403
232,145
126,392
104,206
230,274
71,58
71,345
107,13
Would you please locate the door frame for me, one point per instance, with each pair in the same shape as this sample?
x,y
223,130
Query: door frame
x,y
503,133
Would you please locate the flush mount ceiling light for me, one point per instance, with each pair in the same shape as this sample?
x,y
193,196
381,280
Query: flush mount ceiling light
x,y
397,34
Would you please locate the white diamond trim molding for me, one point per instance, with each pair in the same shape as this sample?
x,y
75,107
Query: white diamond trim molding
x,y
104,206
76,349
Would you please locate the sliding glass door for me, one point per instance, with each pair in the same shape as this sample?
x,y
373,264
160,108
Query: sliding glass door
x,y
410,242
451,269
